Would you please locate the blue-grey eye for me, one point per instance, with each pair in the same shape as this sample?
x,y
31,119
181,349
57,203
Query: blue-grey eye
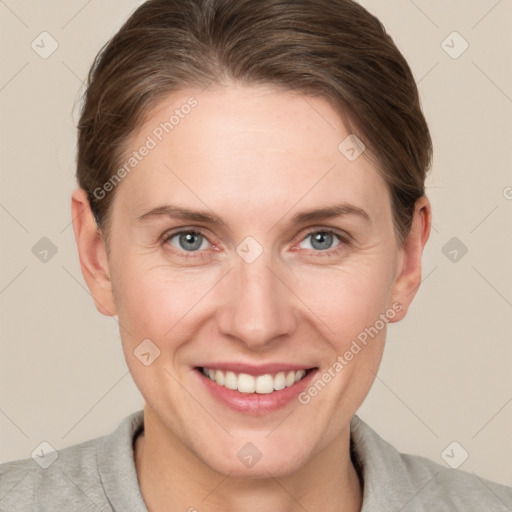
x,y
320,240
189,241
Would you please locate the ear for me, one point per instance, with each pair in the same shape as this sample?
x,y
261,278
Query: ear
x,y
92,253
408,277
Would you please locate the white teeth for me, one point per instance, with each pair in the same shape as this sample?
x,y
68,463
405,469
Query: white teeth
x,y
246,383
219,377
290,378
279,381
230,380
262,384
299,374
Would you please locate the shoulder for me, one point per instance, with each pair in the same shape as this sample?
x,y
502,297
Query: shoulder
x,y
394,480
84,477
455,488
62,479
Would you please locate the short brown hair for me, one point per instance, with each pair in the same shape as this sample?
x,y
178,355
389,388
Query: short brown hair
x,y
334,49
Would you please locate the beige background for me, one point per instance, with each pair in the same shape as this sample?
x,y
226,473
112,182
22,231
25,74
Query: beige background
x,y
446,374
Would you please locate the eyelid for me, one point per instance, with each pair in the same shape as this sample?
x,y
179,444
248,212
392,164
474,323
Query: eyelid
x,y
344,238
171,233
187,229
199,230
341,234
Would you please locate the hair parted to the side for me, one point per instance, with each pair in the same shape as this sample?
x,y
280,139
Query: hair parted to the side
x,y
334,49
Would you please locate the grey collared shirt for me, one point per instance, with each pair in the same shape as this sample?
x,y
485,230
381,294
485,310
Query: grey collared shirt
x,y
100,475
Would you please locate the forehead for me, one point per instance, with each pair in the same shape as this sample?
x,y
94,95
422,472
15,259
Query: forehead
x,y
255,145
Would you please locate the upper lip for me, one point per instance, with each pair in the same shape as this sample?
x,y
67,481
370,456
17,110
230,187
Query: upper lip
x,y
252,369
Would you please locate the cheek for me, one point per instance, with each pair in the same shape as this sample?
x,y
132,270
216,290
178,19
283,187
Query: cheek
x,y
345,299
156,304
157,301
164,303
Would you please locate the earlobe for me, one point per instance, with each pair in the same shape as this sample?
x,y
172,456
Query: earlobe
x,y
92,253
408,279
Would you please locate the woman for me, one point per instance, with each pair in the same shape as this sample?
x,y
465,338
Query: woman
x,y
251,206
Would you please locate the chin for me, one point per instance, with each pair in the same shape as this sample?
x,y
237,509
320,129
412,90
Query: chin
x,y
259,471
246,461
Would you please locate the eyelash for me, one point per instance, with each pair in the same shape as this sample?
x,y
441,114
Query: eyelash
x,y
344,239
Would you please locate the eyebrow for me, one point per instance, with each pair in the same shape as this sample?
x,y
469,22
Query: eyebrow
x,y
329,212
178,212
317,214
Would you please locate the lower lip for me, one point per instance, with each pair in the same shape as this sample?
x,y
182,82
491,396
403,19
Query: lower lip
x,y
256,403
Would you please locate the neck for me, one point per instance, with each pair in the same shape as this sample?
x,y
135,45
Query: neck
x,y
172,477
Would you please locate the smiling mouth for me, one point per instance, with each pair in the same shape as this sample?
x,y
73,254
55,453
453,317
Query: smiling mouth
x,y
261,384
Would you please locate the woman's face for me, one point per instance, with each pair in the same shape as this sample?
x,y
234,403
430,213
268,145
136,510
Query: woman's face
x,y
250,283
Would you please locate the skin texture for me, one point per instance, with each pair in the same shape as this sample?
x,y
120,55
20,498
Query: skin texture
x,y
254,157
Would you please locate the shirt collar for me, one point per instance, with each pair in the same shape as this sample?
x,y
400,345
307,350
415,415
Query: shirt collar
x,y
380,463
387,483
116,465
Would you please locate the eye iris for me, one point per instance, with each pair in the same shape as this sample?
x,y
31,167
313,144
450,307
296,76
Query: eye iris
x,y
323,238
190,241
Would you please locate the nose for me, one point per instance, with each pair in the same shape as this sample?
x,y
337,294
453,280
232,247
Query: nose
x,y
258,307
